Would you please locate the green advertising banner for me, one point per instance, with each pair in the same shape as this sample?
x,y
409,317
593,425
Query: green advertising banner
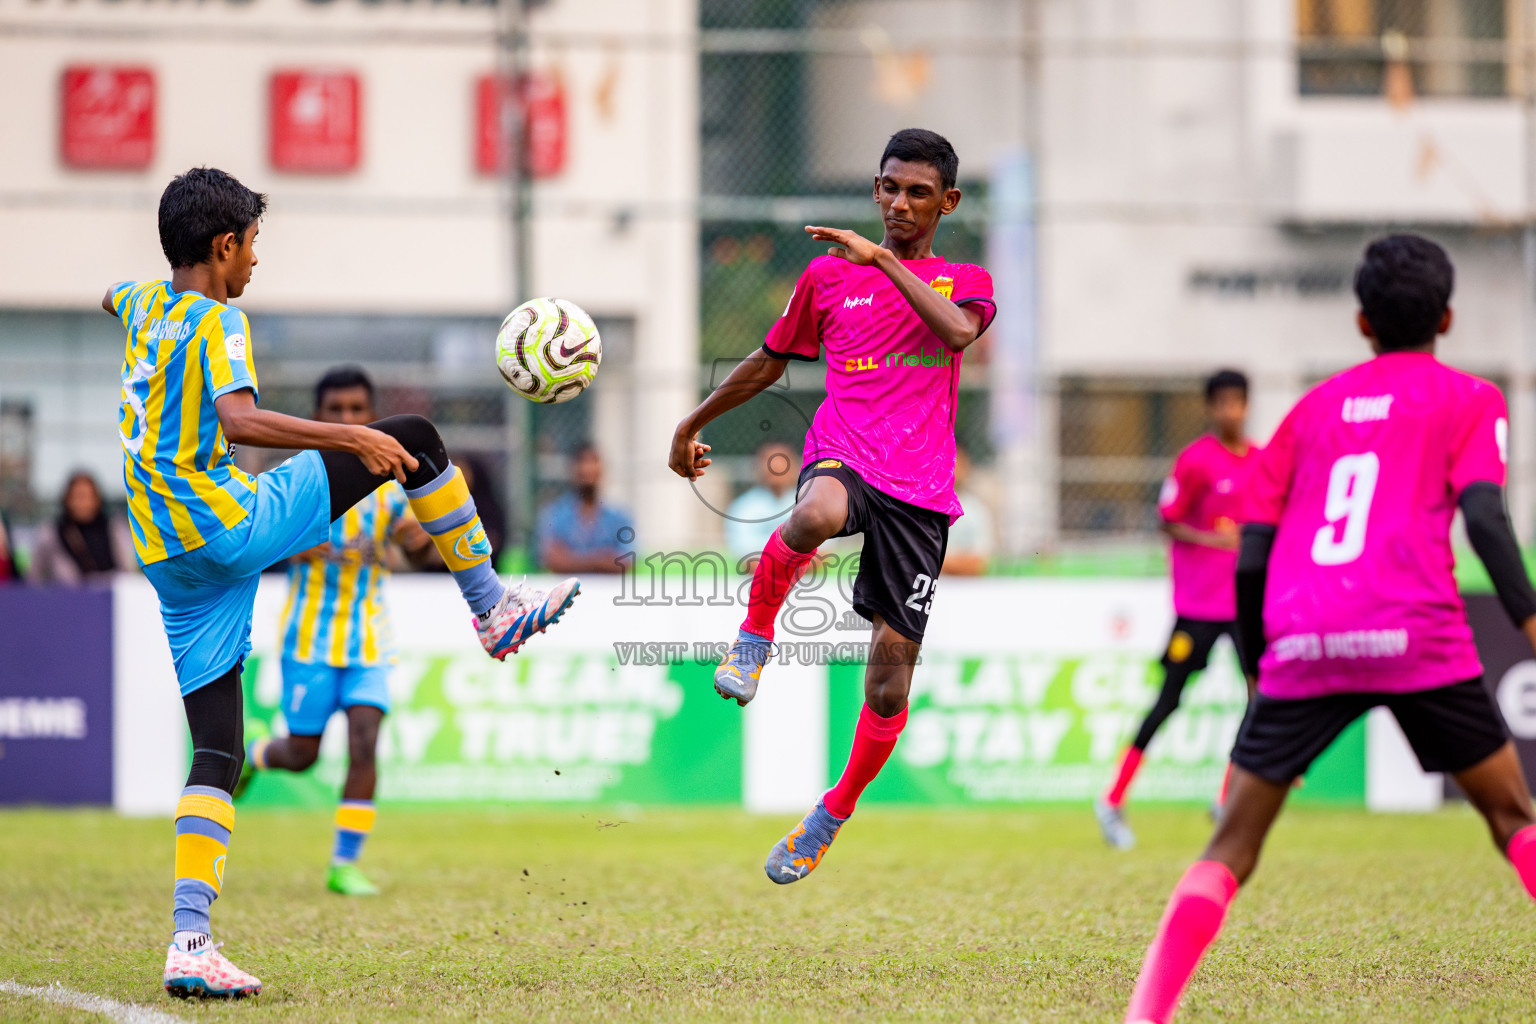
x,y
546,726
1008,728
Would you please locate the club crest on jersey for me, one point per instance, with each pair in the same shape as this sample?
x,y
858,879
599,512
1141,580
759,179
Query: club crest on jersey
x,y
945,286
234,347
829,464
473,545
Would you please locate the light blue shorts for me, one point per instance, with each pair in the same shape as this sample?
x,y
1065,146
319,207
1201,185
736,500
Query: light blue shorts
x,y
314,692
206,595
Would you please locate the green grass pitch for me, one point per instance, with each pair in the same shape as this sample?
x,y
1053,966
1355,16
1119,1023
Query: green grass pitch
x,y
1017,915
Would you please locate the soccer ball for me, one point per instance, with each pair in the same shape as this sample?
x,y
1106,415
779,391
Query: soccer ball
x,y
548,350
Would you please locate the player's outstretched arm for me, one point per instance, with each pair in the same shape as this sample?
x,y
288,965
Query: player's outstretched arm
x,y
1221,539
244,423
752,376
956,326
1493,538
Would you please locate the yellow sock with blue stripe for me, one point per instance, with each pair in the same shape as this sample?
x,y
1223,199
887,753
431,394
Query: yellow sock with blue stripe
x,y
447,512
354,821
205,819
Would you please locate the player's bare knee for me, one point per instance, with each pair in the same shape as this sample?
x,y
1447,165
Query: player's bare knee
x,y
303,751
362,744
886,688
809,526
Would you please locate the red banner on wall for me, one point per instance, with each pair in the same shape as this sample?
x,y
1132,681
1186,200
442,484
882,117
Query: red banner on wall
x,y
542,96
316,121
108,117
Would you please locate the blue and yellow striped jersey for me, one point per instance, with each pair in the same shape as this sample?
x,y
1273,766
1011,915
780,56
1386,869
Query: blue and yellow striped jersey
x,y
335,613
183,351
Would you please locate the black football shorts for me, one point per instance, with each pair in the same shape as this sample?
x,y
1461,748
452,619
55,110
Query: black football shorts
x,y
1451,728
903,551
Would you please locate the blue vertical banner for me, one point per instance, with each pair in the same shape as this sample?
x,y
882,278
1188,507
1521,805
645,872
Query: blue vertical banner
x,y
1014,351
55,695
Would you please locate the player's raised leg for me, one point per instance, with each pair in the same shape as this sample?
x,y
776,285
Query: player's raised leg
x,y
505,617
887,682
205,821
820,512
1198,906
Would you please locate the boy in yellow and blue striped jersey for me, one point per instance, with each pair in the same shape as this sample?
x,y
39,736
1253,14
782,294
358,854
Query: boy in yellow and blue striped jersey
x,y
335,632
204,530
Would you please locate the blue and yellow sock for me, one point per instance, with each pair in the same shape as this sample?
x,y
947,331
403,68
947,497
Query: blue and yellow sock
x,y
354,820
205,818
447,512
256,752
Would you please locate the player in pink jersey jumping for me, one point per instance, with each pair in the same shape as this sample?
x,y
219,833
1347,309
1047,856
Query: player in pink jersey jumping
x,y
1346,599
1201,507
893,320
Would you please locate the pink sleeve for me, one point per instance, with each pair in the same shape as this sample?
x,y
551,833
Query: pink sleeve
x,y
797,333
1270,484
973,286
1480,452
1180,490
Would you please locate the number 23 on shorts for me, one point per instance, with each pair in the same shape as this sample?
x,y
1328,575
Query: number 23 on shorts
x,y
921,598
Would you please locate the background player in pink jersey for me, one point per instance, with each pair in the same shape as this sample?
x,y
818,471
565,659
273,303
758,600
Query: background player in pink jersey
x,y
1345,594
893,320
1201,506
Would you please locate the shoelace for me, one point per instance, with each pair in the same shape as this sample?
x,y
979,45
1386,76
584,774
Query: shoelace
x,y
770,648
515,599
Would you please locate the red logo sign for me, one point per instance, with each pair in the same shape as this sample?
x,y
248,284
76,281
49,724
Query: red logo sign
x,y
109,117
315,121
542,98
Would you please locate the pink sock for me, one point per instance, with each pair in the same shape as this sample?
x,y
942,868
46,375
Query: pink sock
x,y
1522,854
873,741
1130,761
779,569
1195,911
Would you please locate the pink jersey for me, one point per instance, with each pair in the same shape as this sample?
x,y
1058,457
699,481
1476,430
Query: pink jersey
x,y
1361,481
1205,491
889,414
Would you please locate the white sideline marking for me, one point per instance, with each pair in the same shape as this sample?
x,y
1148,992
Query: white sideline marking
x,y
126,1013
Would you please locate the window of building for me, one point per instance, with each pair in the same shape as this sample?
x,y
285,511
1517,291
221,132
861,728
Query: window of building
x,y
1405,48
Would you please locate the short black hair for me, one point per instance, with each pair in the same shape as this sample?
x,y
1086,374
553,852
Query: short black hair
x,y
921,146
1221,380
1404,285
338,378
199,206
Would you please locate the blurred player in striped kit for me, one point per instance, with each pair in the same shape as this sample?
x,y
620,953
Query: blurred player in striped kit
x,y
336,634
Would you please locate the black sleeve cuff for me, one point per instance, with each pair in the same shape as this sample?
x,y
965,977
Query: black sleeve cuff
x,y
1492,537
789,355
986,317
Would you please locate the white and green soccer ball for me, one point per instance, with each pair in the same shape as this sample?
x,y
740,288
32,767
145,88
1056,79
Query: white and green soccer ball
x,y
548,350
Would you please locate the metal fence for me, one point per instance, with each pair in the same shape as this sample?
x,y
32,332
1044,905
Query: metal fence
x,y
795,97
